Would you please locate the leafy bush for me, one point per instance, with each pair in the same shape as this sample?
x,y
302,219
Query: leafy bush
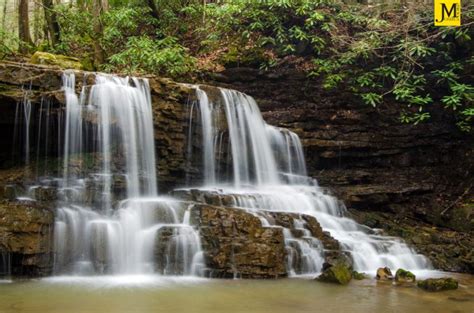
x,y
8,43
146,55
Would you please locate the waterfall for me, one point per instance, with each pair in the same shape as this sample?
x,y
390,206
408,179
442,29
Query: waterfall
x,y
111,220
269,174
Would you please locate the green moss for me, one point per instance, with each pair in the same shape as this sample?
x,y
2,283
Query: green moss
x,y
358,276
236,56
438,284
62,61
404,276
338,274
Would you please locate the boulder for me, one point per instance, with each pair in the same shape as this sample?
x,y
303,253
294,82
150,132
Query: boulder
x,y
404,276
438,284
384,274
338,273
358,276
66,62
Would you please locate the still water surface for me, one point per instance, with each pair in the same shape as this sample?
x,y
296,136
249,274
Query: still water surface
x,y
143,294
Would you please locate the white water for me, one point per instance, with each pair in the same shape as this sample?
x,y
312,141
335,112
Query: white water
x,y
269,174
111,125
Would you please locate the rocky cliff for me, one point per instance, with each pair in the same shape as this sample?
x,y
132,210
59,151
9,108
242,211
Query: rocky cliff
x,y
414,181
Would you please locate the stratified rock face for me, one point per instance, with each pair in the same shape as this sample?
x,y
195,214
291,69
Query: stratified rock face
x,y
390,175
42,85
26,230
231,234
236,244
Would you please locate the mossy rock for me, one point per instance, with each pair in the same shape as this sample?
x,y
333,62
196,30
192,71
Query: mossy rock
x,y
404,276
238,56
358,276
339,274
62,61
438,284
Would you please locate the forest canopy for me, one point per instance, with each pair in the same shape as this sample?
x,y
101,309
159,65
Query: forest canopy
x,y
376,51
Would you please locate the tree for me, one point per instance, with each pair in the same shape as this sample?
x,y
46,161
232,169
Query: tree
x,y
51,22
153,9
98,7
24,26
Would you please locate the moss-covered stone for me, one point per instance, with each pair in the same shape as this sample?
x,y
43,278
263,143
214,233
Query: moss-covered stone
x,y
62,61
438,284
358,276
404,276
338,273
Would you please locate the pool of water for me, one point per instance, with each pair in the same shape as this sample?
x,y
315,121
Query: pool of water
x,y
172,294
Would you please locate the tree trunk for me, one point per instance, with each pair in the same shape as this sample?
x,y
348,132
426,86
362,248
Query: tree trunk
x,y
24,27
97,9
51,22
4,14
154,10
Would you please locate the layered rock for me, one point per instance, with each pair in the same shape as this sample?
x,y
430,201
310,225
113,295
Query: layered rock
x,y
236,244
26,232
401,175
42,86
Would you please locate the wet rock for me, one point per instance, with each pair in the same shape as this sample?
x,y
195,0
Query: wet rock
x,y
8,192
358,276
162,252
26,230
100,246
45,194
403,276
236,244
338,273
384,274
438,284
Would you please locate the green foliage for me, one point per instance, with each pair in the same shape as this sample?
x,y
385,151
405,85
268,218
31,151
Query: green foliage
x,y
77,33
122,23
382,53
8,43
146,55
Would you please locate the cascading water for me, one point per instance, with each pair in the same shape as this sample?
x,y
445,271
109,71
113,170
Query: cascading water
x,y
110,219
269,174
108,150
